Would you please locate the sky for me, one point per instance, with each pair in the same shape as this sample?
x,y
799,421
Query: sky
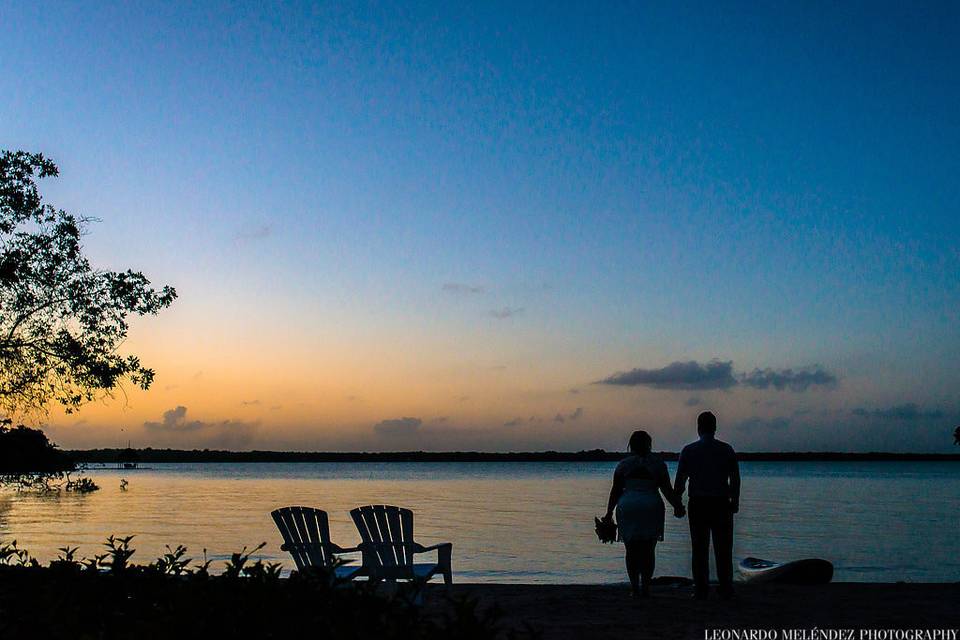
x,y
506,226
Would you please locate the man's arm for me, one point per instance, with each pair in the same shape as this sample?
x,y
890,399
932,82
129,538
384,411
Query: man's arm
x,y
680,482
734,482
663,483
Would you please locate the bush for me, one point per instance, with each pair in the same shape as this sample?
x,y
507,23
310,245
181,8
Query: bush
x,y
30,461
175,597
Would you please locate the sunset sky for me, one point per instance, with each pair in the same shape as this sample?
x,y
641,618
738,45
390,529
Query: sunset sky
x,y
512,227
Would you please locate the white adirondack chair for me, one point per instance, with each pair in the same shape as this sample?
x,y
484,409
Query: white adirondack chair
x,y
388,547
306,535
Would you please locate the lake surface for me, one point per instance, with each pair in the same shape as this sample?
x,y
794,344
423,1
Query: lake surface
x,y
510,521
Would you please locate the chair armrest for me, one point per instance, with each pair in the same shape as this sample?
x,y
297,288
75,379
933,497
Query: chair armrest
x,y
338,549
444,556
419,548
333,547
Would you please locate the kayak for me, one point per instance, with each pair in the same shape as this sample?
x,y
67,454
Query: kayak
x,y
808,571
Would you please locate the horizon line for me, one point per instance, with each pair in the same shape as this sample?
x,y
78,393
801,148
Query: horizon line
x,y
112,454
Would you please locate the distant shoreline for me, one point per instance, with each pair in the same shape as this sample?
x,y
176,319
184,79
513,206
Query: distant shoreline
x,y
597,455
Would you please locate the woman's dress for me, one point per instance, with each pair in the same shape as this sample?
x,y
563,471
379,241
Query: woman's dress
x,y
640,511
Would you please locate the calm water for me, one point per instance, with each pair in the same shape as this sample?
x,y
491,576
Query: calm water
x,y
515,522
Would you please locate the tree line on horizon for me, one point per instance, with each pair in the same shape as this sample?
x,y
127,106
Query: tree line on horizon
x,y
149,454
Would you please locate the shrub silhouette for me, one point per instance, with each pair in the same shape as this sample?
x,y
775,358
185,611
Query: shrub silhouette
x,y
29,460
108,597
26,450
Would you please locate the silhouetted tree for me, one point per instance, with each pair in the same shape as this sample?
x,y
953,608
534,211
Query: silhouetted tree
x,y
25,450
30,461
61,320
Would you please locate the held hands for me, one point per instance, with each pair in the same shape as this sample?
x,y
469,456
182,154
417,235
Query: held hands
x,y
679,511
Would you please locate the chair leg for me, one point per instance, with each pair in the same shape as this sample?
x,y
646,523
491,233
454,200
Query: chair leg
x,y
446,564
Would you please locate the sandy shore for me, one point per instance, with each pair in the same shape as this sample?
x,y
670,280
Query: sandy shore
x,y
601,611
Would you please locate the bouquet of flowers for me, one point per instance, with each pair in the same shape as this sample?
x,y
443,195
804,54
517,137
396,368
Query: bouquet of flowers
x,y
606,529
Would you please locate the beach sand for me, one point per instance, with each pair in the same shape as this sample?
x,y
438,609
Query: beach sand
x,y
607,611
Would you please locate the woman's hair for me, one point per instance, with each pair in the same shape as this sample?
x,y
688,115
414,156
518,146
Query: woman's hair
x,y
640,442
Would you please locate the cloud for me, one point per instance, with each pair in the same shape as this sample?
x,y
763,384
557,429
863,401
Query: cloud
x,y
798,381
398,426
719,374
506,312
678,375
249,403
573,391
516,422
254,233
692,401
908,411
440,420
763,424
231,435
460,289
224,433
576,414
175,420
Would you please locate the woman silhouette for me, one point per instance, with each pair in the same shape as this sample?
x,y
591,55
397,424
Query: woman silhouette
x,y
637,484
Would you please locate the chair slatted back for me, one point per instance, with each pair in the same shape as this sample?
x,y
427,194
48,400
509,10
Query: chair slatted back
x,y
306,535
388,532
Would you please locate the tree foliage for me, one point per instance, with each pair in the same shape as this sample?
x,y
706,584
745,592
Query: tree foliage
x,y
28,460
61,320
25,450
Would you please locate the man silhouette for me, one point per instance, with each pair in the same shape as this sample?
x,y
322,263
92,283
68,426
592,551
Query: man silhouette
x,y
714,475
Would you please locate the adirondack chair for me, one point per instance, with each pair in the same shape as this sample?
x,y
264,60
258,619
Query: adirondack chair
x,y
388,546
306,535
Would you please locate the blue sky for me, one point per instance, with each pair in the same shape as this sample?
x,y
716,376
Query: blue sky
x,y
635,185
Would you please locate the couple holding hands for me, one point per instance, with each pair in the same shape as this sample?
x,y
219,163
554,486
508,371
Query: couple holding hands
x,y
714,496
